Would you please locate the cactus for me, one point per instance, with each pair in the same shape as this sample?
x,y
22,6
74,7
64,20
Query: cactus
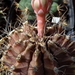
x,y
54,7
26,54
8,15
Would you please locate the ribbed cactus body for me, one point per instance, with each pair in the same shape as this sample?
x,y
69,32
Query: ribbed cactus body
x,y
27,54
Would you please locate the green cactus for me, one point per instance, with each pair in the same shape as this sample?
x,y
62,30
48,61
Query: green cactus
x,y
53,7
27,4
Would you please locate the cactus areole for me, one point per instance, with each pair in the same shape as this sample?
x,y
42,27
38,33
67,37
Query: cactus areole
x,y
41,8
